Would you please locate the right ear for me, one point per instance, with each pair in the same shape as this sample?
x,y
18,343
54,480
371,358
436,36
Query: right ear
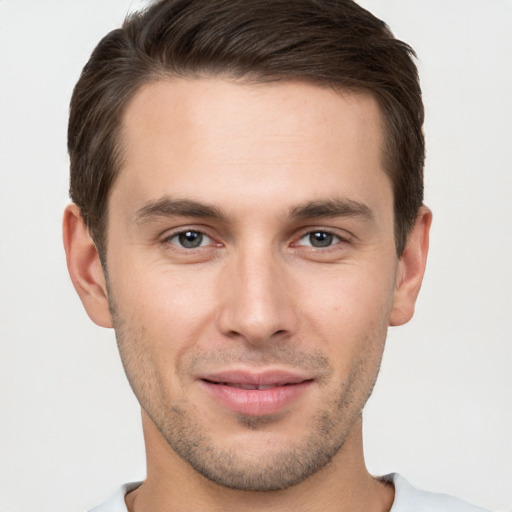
x,y
84,267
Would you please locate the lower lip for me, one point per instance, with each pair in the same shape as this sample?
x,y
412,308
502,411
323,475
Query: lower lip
x,y
256,402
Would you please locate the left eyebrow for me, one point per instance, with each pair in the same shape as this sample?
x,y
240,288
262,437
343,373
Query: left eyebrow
x,y
332,208
168,207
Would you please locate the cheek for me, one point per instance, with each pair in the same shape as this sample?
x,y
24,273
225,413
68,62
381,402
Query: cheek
x,y
158,319
349,309
167,308
161,292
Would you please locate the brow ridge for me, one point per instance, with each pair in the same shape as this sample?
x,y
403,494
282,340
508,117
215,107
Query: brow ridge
x,y
332,208
168,207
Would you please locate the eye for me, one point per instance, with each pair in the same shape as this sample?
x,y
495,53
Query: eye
x,y
190,239
319,239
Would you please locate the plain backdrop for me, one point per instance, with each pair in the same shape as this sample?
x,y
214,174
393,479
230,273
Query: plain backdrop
x,y
441,413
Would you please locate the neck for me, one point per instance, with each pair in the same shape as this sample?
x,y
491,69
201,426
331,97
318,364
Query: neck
x,y
342,485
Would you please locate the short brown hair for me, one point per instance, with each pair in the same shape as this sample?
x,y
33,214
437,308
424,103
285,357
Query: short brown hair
x,y
333,43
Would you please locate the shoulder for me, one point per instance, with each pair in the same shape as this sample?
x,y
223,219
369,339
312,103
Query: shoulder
x,y
116,503
408,498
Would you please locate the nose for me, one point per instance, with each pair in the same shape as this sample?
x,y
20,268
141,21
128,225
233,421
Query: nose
x,y
258,302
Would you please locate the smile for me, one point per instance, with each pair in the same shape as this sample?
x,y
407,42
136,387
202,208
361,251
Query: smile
x,y
256,394
250,386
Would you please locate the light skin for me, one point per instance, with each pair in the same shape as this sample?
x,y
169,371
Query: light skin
x,y
250,245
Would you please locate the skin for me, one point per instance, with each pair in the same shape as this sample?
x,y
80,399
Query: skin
x,y
252,172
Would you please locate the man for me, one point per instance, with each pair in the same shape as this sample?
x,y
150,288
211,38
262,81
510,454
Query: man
x,y
247,186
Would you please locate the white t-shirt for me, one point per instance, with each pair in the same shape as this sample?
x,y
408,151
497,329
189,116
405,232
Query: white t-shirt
x,y
407,499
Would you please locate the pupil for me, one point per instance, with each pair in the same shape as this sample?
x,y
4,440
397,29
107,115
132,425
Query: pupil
x,y
190,239
320,239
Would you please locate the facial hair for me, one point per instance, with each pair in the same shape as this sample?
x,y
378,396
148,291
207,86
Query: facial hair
x,y
249,468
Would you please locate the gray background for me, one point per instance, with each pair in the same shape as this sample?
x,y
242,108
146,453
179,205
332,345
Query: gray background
x,y
441,413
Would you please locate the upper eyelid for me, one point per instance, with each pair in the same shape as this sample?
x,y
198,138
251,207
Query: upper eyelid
x,y
166,239
172,232
336,242
181,232
328,232
174,245
343,234
209,240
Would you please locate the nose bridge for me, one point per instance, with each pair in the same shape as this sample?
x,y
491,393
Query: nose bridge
x,y
257,304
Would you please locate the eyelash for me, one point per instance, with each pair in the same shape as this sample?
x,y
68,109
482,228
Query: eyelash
x,y
184,232
333,239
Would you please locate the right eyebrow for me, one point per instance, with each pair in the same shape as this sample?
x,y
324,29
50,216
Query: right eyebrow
x,y
338,207
168,207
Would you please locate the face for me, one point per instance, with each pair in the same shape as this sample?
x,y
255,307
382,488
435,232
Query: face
x,y
252,271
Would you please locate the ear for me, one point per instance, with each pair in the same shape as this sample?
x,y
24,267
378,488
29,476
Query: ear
x,y
84,267
411,268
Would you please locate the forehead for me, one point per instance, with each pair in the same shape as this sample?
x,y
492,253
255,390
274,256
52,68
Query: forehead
x,y
209,137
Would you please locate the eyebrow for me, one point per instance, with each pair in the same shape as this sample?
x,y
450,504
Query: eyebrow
x,y
332,208
168,207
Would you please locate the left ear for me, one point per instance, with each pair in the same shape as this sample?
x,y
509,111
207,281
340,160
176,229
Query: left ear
x,y
84,267
411,268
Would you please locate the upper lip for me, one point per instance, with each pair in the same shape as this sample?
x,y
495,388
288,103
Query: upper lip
x,y
256,379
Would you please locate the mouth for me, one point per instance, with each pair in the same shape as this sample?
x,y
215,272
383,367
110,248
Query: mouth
x,y
256,394
258,387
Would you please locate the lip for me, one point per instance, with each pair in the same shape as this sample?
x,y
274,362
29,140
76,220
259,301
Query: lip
x,y
255,393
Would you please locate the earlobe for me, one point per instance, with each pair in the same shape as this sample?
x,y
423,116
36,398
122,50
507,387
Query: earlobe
x,y
84,267
411,269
